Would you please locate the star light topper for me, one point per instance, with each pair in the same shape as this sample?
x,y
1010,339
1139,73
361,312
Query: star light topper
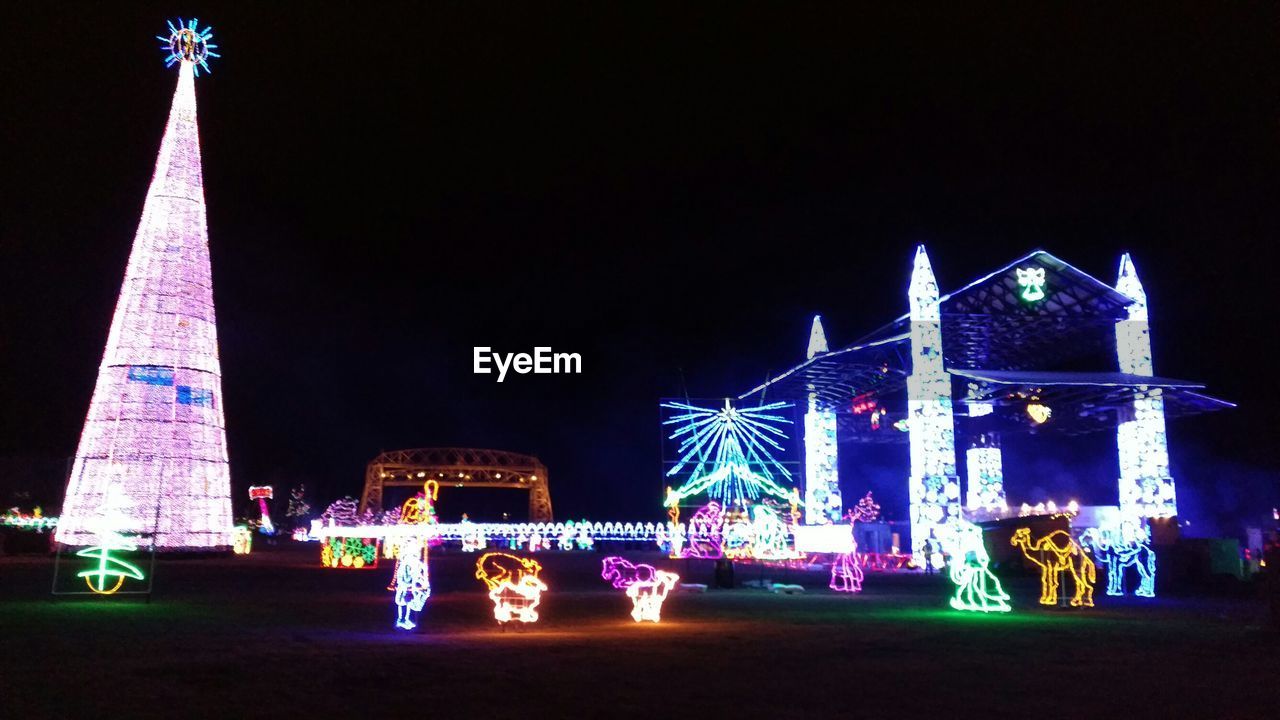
x,y
187,44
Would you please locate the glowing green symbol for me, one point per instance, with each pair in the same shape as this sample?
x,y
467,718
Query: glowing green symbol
x,y
109,567
1031,280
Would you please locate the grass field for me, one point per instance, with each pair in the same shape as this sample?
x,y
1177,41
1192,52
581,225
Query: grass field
x,y
275,635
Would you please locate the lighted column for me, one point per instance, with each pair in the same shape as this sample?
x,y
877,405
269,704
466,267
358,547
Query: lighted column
x,y
985,470
155,432
1146,488
934,489
822,500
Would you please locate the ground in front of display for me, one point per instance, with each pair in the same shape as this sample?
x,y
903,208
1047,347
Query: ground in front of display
x,y
275,635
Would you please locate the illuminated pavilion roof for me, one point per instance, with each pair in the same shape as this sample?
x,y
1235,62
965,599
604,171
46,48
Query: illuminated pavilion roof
x,y
1001,350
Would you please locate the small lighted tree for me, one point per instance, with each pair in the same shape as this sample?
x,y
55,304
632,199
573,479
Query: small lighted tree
x,y
342,512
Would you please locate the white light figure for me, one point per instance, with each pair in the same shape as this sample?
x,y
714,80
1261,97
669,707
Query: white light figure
x,y
585,541
934,489
769,535
566,536
413,581
986,475
1146,487
647,596
473,537
646,585
730,452
155,425
821,467
517,600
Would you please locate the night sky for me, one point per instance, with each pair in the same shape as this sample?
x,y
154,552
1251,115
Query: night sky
x,y
671,190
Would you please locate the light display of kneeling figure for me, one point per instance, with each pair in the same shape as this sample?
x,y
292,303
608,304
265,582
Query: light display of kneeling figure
x,y
977,588
514,586
646,585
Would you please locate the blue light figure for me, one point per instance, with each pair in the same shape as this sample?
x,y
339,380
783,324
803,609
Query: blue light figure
x,y
1122,547
413,582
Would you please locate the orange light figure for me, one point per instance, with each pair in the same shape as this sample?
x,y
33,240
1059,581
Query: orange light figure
x,y
1058,552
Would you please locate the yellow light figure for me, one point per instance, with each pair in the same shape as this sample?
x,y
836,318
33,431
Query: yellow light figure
x,y
514,586
495,568
1055,553
794,502
417,510
241,540
1039,412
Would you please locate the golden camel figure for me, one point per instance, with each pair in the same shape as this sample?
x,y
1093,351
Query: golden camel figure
x,y
1058,552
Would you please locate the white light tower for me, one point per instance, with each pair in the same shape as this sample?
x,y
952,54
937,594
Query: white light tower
x,y
155,432
823,504
934,487
1146,488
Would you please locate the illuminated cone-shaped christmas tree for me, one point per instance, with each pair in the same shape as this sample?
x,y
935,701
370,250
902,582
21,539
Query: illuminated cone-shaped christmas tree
x,y
155,432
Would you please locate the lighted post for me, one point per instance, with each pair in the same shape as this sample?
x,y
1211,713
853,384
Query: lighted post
x,y
155,429
984,466
934,488
823,504
1146,487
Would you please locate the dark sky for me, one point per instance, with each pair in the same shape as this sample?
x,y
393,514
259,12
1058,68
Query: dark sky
x,y
671,190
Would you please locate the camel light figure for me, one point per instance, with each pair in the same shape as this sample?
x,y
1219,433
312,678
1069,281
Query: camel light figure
x,y
1120,548
646,585
1055,553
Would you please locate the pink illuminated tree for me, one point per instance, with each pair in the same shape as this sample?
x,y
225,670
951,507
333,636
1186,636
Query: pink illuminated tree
x,y
155,431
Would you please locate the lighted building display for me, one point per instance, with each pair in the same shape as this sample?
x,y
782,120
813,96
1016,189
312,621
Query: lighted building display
x,y
155,430
1036,347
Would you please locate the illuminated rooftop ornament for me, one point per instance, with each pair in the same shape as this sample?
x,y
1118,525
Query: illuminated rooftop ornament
x,y
731,452
187,44
1031,280
1039,413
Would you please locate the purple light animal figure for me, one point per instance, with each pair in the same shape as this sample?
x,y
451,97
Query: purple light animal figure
x,y
646,585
